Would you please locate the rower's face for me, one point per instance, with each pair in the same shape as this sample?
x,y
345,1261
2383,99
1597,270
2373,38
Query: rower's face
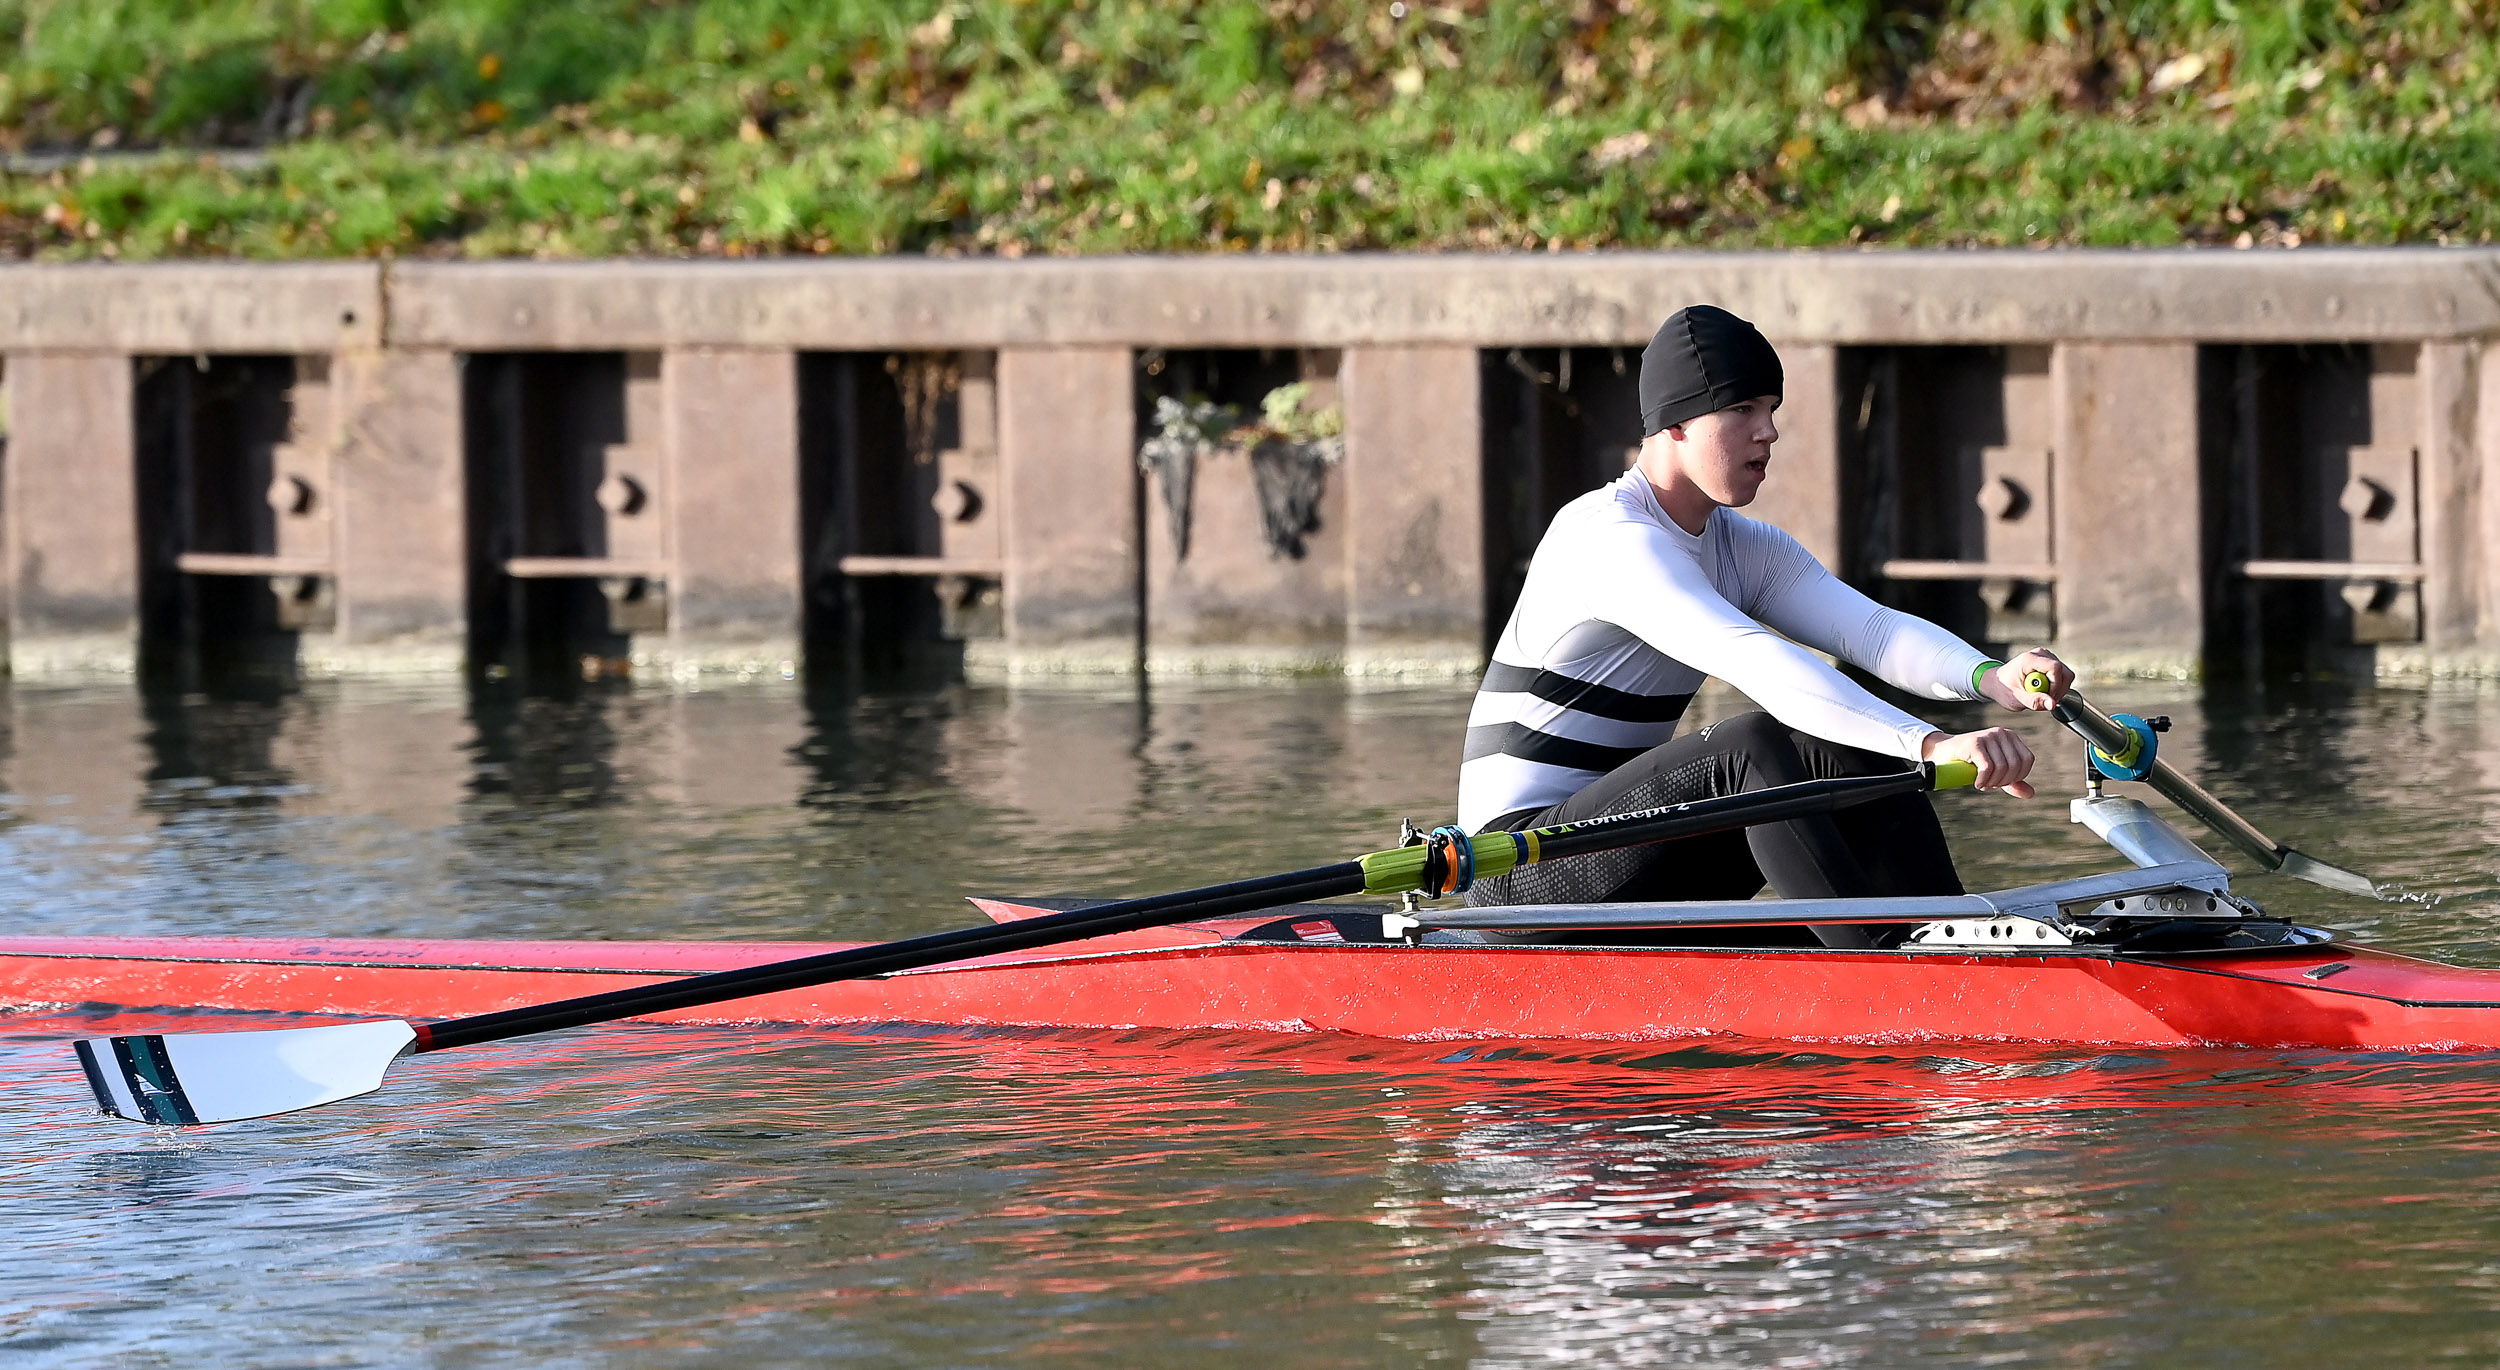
x,y
1728,453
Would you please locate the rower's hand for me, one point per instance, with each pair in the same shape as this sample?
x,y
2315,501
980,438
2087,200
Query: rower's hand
x,y
2010,684
2003,759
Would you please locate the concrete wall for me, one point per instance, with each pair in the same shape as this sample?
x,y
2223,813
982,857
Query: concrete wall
x,y
72,511
1393,578
1517,300
1067,443
2452,493
397,539
1804,498
1414,510
733,453
2127,508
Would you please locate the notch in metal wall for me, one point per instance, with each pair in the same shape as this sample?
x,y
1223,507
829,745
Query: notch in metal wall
x,y
2312,488
229,478
1949,486
567,517
901,504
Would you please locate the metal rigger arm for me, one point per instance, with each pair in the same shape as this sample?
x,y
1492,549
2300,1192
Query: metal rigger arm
x,y
2125,747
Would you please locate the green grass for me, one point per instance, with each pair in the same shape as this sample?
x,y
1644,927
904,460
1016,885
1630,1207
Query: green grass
x,y
736,127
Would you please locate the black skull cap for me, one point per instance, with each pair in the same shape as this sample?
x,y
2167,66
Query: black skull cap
x,y
1703,360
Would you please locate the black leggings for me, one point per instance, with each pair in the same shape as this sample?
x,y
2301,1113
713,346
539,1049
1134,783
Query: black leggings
x,y
1885,847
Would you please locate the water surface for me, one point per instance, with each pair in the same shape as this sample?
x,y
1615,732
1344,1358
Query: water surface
x,y
662,1196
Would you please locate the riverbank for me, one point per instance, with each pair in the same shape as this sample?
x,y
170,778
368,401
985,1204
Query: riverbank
x,y
591,128
701,466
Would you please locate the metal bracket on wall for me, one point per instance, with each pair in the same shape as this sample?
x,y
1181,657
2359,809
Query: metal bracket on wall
x,y
636,591
2378,509
306,588
2008,523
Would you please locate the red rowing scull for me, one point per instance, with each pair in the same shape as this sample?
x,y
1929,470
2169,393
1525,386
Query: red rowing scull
x,y
1308,971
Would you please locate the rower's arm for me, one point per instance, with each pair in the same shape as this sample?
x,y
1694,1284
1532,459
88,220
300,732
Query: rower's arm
x,y
1810,604
1648,587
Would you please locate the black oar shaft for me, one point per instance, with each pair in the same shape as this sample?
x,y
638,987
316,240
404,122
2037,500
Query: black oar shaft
x,y
885,958
2112,738
1799,800
1213,901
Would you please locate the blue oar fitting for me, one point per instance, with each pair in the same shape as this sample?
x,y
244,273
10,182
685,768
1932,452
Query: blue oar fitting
x,y
1449,862
2136,761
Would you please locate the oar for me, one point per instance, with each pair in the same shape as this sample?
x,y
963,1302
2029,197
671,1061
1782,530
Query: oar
x,y
2121,745
175,1079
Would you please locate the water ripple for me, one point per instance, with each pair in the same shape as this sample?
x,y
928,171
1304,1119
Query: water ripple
x,y
915,1197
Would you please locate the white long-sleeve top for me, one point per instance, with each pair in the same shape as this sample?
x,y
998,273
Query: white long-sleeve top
x,y
1624,614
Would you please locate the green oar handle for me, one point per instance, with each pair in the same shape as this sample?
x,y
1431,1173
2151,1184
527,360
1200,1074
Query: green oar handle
x,y
1379,873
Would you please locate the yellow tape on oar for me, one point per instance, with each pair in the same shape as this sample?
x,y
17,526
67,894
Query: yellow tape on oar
x,y
2127,757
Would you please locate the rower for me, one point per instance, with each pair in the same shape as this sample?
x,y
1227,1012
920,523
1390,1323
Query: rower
x,y
1645,586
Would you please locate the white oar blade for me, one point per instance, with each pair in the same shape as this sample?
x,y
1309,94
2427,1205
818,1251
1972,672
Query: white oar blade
x,y
2318,872
178,1079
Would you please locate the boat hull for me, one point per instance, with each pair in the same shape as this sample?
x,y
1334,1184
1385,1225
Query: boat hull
x,y
1198,978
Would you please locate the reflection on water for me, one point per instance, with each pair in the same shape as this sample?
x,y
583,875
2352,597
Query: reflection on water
x,y
674,1196
757,813
767,811
669,1196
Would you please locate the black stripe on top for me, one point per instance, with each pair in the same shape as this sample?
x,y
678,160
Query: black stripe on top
x,y
1526,743
95,1079
1585,696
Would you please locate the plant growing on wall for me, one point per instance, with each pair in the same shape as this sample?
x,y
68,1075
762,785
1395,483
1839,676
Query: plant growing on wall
x,y
1290,449
1185,430
925,380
